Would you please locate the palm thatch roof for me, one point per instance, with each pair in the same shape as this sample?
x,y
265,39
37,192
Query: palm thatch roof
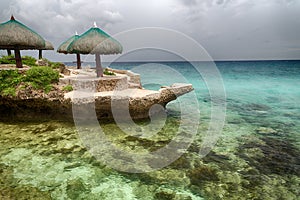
x,y
48,46
14,34
95,41
63,48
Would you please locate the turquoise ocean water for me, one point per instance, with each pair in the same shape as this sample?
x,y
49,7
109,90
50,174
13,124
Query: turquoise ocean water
x,y
256,155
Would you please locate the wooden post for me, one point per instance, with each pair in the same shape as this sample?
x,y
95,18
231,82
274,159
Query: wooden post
x,y
8,52
78,61
40,54
18,58
99,69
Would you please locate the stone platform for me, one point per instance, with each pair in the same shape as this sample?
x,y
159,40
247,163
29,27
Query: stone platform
x,y
122,92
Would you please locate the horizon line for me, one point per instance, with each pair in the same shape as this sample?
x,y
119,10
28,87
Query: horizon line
x,y
221,60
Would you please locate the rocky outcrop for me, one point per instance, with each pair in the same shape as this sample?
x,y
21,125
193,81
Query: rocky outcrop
x,y
120,103
108,96
42,62
31,104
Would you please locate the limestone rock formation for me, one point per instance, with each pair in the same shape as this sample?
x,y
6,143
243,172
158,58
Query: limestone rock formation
x,y
108,96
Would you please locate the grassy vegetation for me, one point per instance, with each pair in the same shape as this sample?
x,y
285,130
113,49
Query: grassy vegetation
x,y
37,77
106,72
9,80
41,78
7,60
29,61
68,88
26,60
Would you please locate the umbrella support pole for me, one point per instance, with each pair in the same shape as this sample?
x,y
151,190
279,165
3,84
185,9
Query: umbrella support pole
x,y
99,69
40,54
18,58
8,52
78,61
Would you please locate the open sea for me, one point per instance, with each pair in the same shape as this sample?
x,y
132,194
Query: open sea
x,y
255,156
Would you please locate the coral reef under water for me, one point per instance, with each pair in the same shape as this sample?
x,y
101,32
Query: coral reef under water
x,y
46,160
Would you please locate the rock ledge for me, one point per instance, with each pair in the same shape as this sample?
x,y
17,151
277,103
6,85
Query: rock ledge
x,y
121,94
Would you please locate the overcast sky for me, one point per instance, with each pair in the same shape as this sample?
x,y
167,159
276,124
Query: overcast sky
x,y
227,29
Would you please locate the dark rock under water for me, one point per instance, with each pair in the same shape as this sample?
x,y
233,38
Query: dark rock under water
x,y
278,157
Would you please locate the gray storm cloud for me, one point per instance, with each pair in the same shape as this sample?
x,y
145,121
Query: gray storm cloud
x,y
228,29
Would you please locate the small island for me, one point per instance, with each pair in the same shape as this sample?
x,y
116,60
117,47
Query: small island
x,y
44,89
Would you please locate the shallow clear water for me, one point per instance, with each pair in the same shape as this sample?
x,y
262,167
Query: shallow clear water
x,y
256,156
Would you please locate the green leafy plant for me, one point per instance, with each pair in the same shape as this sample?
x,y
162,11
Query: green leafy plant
x,y
26,60
9,80
42,77
56,65
68,88
37,77
106,72
7,60
10,91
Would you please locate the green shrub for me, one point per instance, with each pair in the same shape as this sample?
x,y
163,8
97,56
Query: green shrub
x,y
26,60
37,77
68,88
7,60
106,72
55,65
42,77
9,80
9,91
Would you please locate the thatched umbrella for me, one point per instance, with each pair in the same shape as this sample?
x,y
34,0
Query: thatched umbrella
x,y
48,46
16,36
95,41
63,48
